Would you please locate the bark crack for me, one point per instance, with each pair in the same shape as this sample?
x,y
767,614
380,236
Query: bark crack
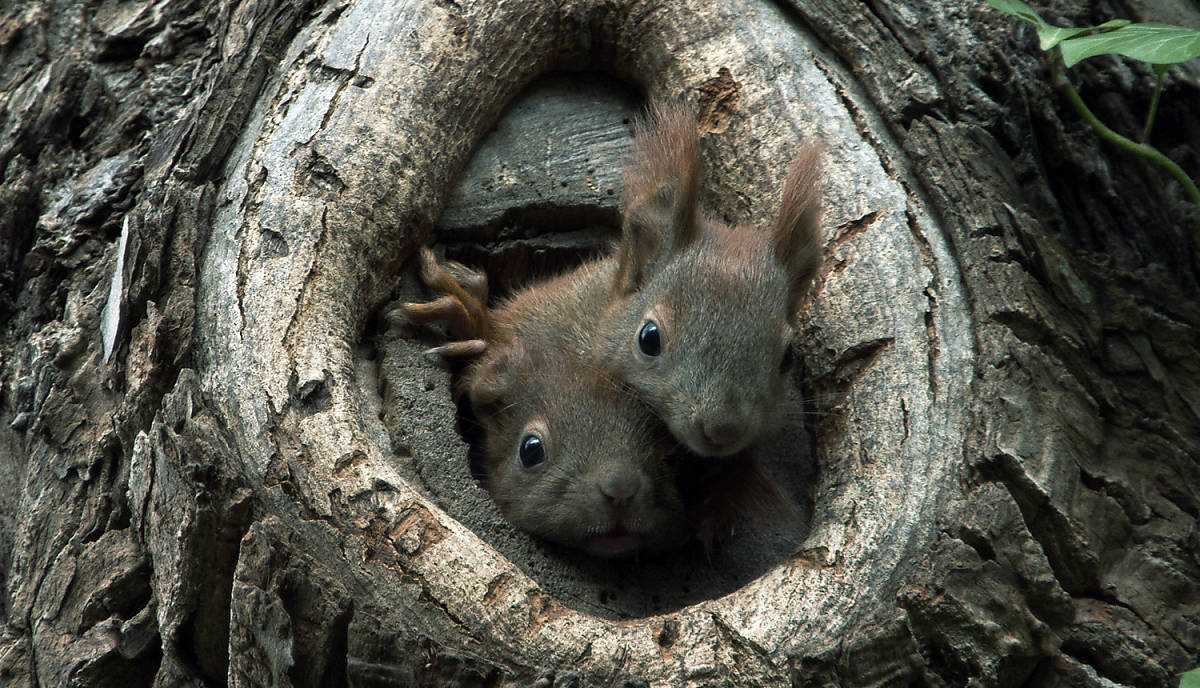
x,y
1088,660
857,116
849,230
347,79
872,136
841,236
1115,601
744,648
1074,565
299,312
932,338
859,358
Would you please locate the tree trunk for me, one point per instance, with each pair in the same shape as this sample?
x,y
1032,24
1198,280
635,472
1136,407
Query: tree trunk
x,y
224,462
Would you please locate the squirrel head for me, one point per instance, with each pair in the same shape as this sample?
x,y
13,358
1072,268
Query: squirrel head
x,y
572,456
705,312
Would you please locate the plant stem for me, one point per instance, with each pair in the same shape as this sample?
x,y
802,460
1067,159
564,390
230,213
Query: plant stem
x,y
1153,105
1144,150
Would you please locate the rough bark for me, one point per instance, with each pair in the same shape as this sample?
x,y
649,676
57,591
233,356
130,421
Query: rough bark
x,y
221,462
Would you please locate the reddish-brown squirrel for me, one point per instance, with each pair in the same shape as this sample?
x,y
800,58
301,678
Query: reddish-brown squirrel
x,y
571,454
701,316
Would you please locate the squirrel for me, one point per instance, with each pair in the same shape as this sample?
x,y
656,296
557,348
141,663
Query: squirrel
x,y
571,455
702,314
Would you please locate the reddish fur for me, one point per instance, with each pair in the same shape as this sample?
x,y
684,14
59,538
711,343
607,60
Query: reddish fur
x,y
464,310
662,182
662,178
668,155
800,207
671,253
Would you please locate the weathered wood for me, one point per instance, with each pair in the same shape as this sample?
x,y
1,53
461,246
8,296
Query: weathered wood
x,y
262,482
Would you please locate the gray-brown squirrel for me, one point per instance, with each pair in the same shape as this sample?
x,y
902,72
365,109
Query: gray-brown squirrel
x,y
701,316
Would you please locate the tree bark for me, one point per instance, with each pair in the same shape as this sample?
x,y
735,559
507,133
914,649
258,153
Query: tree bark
x,y
222,462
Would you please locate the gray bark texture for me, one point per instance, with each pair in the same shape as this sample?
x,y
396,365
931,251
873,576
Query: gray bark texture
x,y
224,461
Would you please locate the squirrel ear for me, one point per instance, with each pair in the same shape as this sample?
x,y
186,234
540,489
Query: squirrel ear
x,y
662,182
796,235
489,382
642,245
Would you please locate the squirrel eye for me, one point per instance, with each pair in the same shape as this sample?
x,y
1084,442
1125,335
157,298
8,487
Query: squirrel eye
x,y
648,340
532,451
789,359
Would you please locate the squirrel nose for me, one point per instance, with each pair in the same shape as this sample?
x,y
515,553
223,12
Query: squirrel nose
x,y
719,434
620,488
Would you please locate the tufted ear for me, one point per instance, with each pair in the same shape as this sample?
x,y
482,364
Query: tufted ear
x,y
796,235
659,210
490,383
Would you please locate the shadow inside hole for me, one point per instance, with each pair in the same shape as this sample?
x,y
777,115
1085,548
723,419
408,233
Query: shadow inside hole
x,y
530,240
517,258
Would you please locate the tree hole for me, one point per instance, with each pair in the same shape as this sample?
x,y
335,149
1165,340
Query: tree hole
x,y
517,244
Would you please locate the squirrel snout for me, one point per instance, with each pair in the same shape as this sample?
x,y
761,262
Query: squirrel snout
x,y
620,488
719,433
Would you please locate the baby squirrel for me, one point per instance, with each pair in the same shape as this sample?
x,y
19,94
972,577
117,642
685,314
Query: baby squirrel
x,y
701,316
571,455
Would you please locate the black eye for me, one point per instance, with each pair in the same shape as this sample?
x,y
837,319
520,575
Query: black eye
x,y
648,340
789,359
532,451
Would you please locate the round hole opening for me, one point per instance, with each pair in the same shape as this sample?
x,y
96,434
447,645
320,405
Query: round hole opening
x,y
434,439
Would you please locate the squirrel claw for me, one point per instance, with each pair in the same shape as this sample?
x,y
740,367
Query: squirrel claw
x,y
463,349
443,308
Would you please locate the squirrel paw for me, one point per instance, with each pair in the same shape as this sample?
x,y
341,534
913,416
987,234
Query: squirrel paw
x,y
462,304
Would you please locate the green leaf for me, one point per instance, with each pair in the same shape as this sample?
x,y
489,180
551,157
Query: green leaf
x,y
1191,679
1018,9
1112,24
1048,34
1153,43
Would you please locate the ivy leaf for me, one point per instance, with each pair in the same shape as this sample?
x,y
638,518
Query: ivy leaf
x,y
1050,36
1153,43
1020,10
1190,679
